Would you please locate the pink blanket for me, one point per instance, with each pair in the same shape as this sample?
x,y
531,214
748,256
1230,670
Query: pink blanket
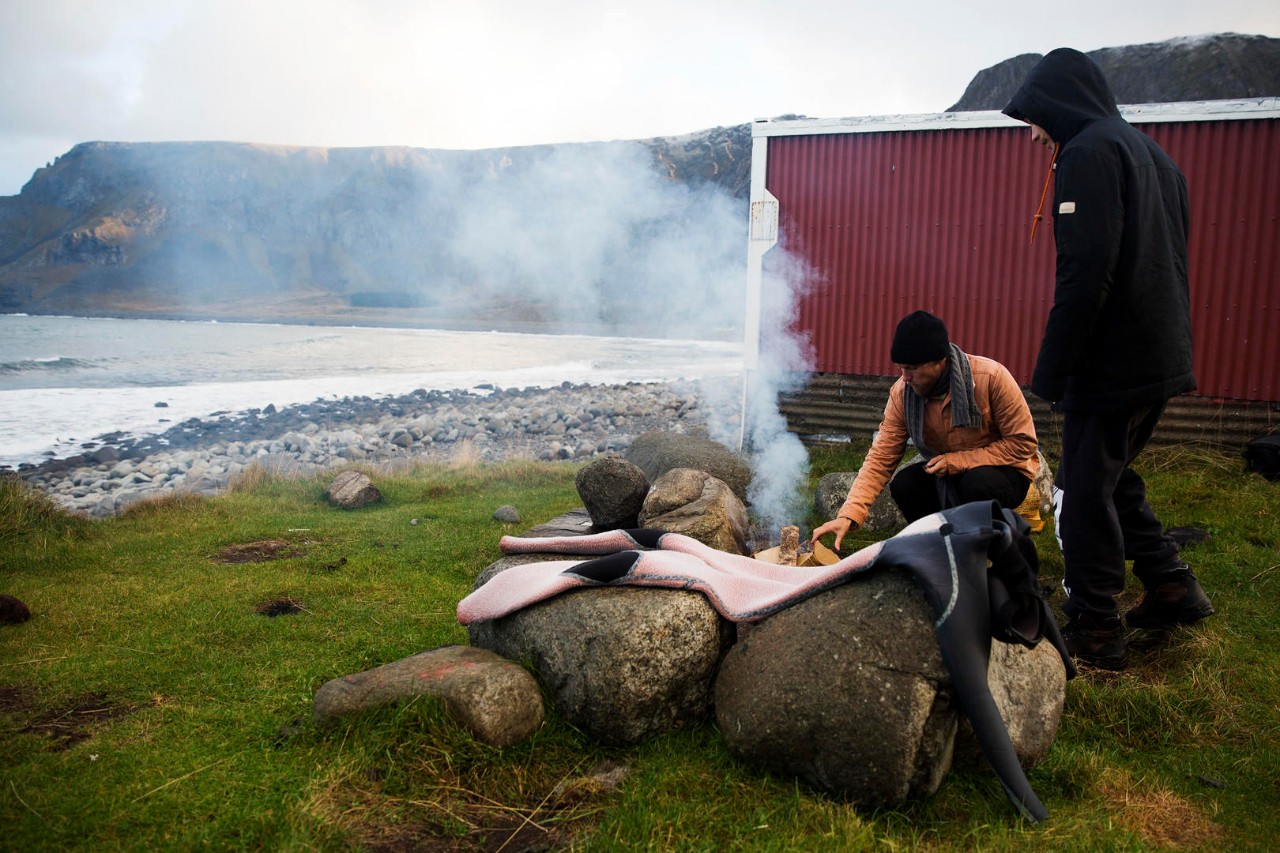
x,y
742,589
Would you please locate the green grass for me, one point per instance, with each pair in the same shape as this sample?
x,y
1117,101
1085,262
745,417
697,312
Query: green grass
x,y
147,704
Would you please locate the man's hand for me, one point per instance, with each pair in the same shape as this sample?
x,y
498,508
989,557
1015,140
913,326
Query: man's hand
x,y
839,526
940,466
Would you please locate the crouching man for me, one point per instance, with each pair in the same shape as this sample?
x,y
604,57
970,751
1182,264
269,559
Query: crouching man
x,y
965,415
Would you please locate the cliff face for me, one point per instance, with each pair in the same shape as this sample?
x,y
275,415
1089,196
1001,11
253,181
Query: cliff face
x,y
640,236
453,237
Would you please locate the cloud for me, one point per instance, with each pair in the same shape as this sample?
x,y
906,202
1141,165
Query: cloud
x,y
493,73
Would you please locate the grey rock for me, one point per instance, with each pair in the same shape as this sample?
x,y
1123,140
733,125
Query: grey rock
x,y
1030,688
846,691
884,515
495,699
620,663
831,493
507,514
352,490
655,453
104,455
696,504
573,523
612,491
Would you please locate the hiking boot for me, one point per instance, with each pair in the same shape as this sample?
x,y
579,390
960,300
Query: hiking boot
x,y
1176,599
1096,640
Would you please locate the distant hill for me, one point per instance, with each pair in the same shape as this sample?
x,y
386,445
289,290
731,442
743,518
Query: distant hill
x,y
643,236
1204,68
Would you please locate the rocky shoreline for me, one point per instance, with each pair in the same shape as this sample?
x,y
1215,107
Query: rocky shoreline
x,y
488,424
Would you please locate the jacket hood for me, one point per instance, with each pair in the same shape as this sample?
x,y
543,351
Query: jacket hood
x,y
1064,93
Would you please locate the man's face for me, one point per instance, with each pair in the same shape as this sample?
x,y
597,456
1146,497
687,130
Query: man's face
x,y
1040,136
922,377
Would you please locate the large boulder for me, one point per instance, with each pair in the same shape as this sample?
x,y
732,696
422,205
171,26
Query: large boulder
x,y
655,453
1029,687
497,700
352,490
698,505
612,491
619,663
847,691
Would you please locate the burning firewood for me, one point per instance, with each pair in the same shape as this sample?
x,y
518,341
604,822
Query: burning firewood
x,y
789,549
793,552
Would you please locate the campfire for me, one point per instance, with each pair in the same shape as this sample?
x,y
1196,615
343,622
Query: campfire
x,y
791,551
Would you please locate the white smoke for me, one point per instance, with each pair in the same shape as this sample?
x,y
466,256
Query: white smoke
x,y
594,233
565,237
780,462
583,238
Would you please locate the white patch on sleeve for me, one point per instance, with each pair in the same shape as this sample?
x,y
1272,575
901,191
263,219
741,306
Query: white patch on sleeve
x,y
1067,207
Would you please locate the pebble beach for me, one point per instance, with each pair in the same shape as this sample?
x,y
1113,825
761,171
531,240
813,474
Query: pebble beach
x,y
569,422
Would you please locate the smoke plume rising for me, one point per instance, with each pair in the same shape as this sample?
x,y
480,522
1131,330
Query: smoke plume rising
x,y
780,462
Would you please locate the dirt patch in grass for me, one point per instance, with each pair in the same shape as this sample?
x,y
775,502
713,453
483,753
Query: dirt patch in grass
x,y
258,552
70,721
518,831
16,699
1161,817
448,817
279,607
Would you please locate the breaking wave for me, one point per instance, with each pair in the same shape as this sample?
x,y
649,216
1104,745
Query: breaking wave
x,y
31,365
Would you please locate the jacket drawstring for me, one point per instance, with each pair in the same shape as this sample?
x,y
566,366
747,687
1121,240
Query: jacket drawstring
x,y
1045,192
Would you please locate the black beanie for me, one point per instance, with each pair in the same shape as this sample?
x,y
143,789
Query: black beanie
x,y
921,337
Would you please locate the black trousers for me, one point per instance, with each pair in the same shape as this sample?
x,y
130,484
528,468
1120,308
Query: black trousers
x,y
918,493
1101,514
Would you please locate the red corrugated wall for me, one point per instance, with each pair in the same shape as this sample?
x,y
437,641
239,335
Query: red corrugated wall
x,y
940,219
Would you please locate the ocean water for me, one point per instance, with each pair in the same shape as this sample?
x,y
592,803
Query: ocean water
x,y
67,380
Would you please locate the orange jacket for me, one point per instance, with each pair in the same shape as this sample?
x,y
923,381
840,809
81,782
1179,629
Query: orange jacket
x,y
1007,436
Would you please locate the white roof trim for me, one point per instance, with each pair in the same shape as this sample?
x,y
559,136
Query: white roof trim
x,y
1228,110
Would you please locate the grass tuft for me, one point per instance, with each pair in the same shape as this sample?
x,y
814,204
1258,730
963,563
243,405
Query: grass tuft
x,y
28,515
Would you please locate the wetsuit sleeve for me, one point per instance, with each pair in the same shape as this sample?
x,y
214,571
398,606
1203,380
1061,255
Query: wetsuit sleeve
x,y
886,452
1088,227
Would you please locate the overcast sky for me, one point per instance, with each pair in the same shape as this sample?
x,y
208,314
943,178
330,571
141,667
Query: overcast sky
x,y
489,73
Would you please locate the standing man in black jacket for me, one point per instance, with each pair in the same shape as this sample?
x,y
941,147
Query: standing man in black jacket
x,y
1116,347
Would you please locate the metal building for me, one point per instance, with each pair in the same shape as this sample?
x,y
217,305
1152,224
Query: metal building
x,y
888,214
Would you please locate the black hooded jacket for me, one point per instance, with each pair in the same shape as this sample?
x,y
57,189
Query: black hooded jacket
x,y
1119,332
